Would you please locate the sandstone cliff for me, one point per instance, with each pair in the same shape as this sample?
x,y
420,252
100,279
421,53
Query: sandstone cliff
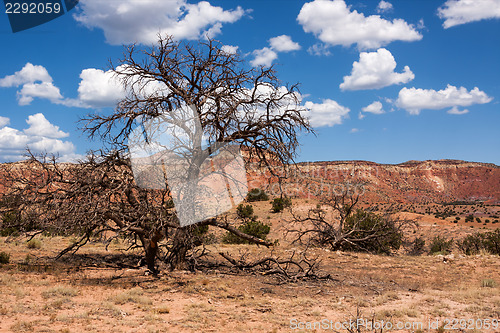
x,y
413,181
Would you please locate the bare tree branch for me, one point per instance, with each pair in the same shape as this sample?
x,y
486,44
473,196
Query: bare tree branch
x,y
236,104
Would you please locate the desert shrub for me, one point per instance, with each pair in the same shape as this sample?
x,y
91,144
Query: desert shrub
x,y
417,247
380,234
257,194
471,244
13,222
251,227
278,204
9,231
469,218
199,230
440,245
34,244
488,241
200,235
478,220
8,222
492,241
244,211
4,258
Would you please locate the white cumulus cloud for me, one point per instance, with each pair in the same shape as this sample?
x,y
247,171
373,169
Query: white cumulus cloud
x,y
456,12
45,90
40,137
284,43
11,138
375,70
375,108
35,82
456,110
266,55
52,146
4,121
40,126
28,74
384,6
229,49
327,113
334,23
130,21
414,100
319,49
98,88
263,57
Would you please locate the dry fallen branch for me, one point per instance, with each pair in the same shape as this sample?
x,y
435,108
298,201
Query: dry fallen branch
x,y
285,270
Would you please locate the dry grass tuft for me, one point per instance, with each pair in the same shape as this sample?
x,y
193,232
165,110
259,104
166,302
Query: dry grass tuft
x,y
34,244
488,283
163,309
59,291
135,295
22,326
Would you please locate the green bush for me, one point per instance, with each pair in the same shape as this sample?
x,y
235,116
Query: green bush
x,y
9,231
280,203
4,258
256,194
7,228
440,245
385,235
471,244
251,227
200,235
492,241
244,211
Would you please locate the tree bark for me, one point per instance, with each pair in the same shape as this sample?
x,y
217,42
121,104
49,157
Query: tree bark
x,y
180,247
151,249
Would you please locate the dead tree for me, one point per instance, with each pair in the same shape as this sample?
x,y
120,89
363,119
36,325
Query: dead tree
x,y
236,105
338,224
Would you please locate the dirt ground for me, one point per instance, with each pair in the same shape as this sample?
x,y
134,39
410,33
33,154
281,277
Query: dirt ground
x,y
100,290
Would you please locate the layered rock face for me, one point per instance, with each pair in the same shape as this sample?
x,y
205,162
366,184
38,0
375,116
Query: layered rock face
x,y
413,181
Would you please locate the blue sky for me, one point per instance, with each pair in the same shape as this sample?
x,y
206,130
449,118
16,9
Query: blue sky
x,y
384,81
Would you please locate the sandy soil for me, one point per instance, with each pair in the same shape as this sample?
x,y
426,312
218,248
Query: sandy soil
x,y
93,292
